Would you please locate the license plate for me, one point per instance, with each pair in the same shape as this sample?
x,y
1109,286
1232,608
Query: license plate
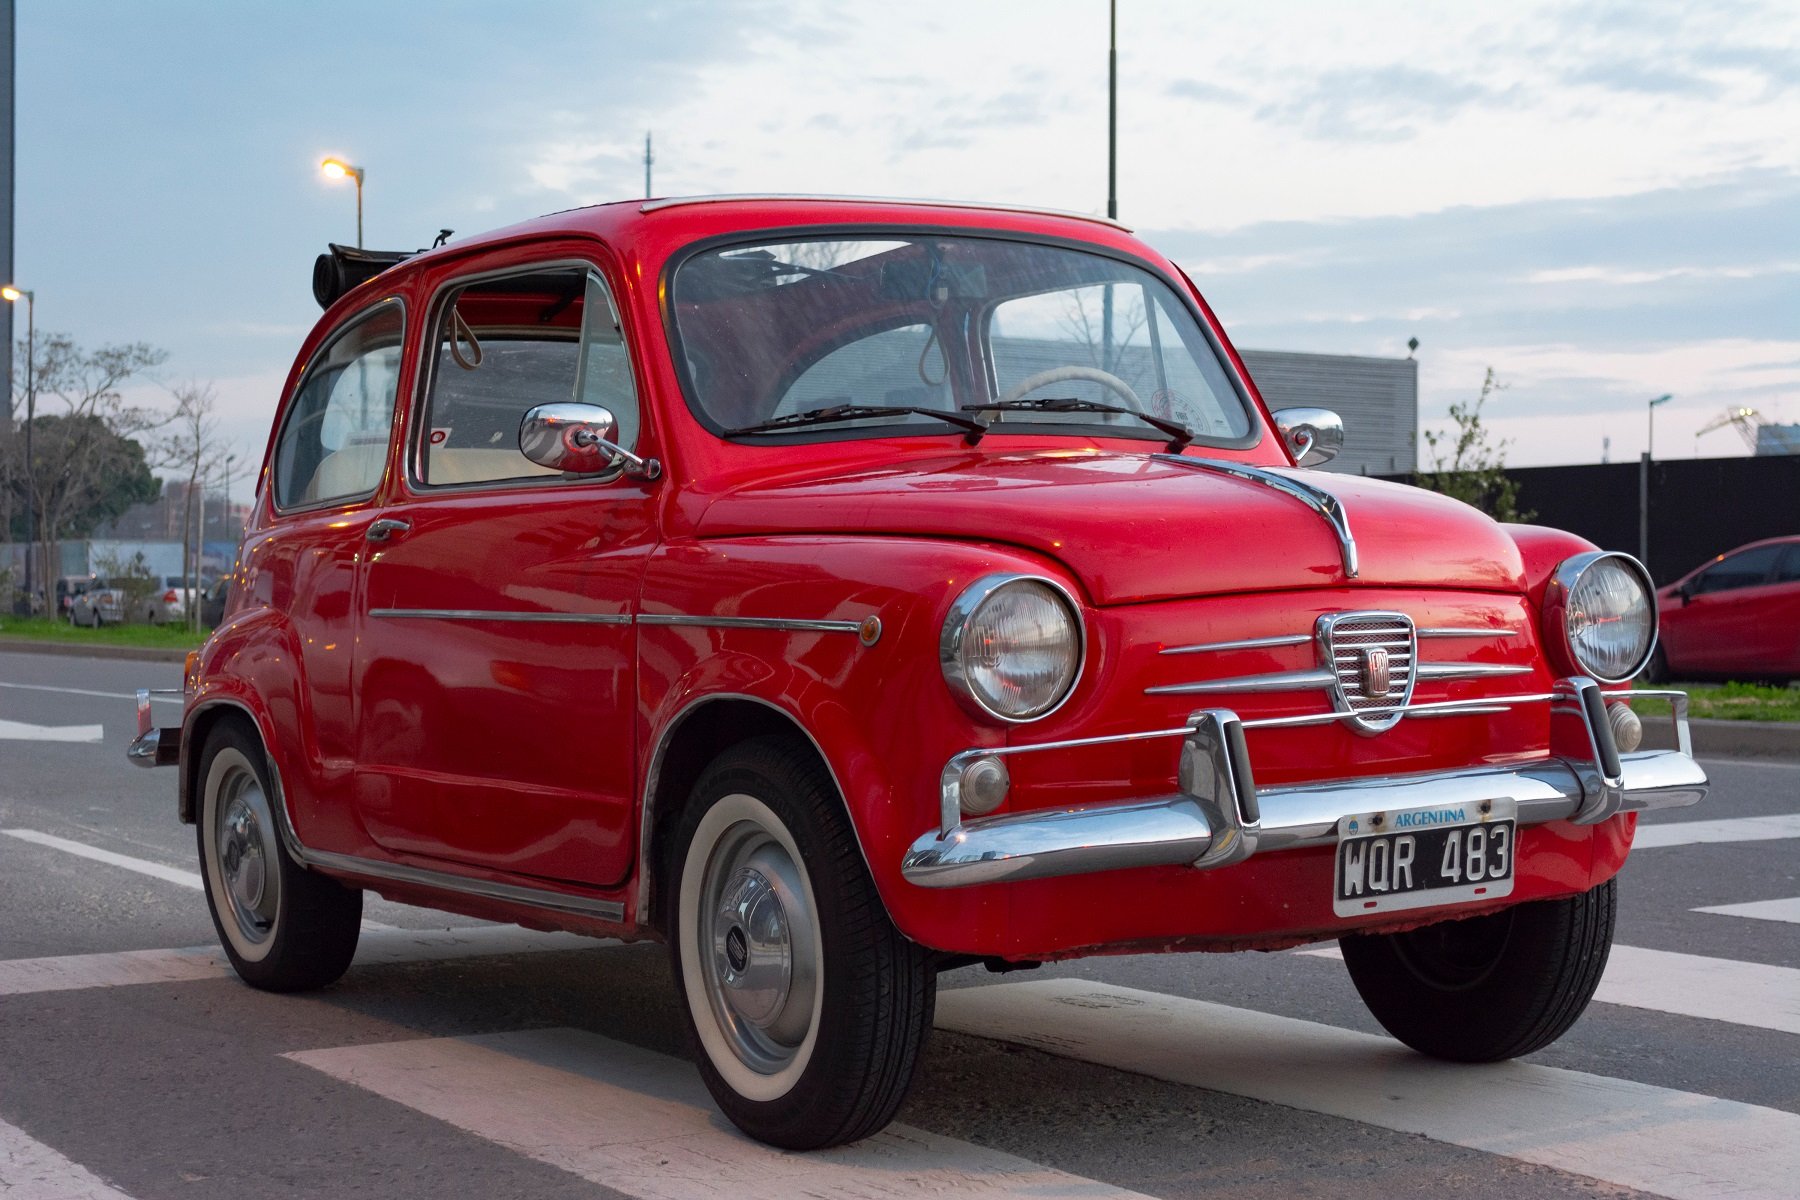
x,y
1416,857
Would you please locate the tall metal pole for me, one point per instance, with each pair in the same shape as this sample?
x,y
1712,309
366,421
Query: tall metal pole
x,y
647,161
1112,115
1112,173
359,183
1644,482
31,522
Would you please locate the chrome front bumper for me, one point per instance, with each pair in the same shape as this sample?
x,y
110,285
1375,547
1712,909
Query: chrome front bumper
x,y
1219,817
153,747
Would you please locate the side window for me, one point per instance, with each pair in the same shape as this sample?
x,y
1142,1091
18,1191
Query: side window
x,y
1749,569
334,444
895,367
507,345
1789,571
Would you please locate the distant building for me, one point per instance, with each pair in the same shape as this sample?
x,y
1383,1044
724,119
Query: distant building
x,y
1378,398
1778,439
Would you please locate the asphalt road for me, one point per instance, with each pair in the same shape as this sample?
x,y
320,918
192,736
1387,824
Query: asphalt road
x,y
457,1060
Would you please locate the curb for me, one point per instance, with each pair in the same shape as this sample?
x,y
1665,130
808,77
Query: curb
x,y
1729,739
77,650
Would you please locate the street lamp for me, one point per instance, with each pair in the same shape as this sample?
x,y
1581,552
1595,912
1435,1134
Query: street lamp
x,y
11,295
1644,481
337,168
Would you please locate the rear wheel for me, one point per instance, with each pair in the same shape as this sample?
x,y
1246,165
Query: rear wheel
x,y
285,929
1658,669
809,1009
1487,988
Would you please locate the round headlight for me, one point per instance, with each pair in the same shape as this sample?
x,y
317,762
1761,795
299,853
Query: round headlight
x,y
1603,607
1012,647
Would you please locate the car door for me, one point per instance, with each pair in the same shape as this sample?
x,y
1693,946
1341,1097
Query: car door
x,y
496,656
302,559
1721,630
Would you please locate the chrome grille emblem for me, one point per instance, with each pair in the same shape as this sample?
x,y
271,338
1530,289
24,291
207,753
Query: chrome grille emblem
x,y
1375,670
1371,657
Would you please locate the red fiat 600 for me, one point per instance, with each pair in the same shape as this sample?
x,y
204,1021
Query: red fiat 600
x,y
844,590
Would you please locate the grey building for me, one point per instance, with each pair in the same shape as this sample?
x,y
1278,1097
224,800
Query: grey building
x,y
1377,397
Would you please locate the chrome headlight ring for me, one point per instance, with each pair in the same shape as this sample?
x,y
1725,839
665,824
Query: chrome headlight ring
x,y
1577,602
954,647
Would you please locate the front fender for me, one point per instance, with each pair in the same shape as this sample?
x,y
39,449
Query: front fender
x,y
881,715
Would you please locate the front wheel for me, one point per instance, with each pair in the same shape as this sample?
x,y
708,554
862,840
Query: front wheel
x,y
808,1007
285,929
1487,988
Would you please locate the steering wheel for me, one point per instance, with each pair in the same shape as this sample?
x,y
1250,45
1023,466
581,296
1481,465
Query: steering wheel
x,y
1105,379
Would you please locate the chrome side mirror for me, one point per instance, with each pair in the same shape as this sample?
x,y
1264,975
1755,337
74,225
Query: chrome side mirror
x,y
1313,435
580,439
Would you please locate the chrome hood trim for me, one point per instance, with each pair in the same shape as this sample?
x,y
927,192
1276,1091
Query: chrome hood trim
x,y
1328,506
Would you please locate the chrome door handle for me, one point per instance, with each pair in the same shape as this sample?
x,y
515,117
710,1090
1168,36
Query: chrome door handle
x,y
386,527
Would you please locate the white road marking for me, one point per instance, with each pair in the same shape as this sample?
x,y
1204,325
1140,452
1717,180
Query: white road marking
x,y
1689,985
19,731
143,866
1735,829
44,687
30,1170
642,1124
1662,1141
24,976
1760,910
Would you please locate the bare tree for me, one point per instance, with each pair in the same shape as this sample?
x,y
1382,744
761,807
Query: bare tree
x,y
192,447
84,387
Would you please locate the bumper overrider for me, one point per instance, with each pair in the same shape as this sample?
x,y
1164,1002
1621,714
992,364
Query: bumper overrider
x,y
1219,816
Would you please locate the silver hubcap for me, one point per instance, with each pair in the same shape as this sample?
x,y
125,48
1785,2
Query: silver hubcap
x,y
758,947
244,839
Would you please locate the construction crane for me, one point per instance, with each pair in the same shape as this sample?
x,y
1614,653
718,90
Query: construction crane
x,y
1747,420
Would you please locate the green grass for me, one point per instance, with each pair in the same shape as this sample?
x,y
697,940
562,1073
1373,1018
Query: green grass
x,y
45,629
1731,702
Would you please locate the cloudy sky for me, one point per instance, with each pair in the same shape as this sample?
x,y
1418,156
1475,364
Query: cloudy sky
x,y
1600,200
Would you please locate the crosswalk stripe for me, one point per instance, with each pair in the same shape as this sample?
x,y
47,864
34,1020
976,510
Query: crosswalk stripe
x,y
1662,1141
143,866
642,1124
1689,985
1760,910
23,976
22,731
30,1170
1733,829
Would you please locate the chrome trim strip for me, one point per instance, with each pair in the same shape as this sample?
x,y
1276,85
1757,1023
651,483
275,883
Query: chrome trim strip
x,y
785,624
1319,500
1261,643
1451,631
650,206
606,910
486,614
1433,670
1275,681
1440,708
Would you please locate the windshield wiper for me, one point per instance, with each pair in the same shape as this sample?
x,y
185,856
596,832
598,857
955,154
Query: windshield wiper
x,y
856,412
1179,435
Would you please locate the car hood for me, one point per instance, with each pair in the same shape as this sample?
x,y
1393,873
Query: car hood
x,y
1138,527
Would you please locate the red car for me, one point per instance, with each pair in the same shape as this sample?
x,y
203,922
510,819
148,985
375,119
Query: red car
x,y
841,591
1737,617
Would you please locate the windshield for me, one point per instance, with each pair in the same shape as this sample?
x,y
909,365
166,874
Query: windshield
x,y
949,324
